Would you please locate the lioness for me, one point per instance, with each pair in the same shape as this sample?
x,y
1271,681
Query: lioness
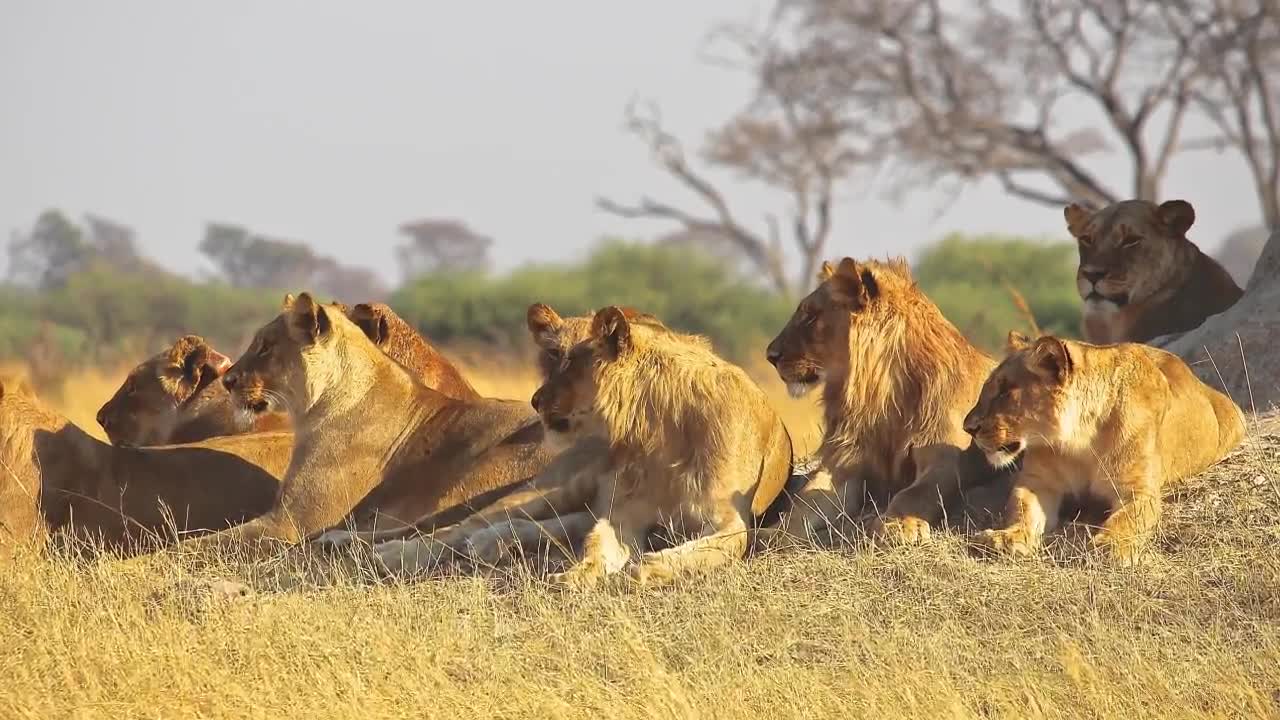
x,y
57,477
373,444
1139,275
895,374
1111,423
174,397
693,447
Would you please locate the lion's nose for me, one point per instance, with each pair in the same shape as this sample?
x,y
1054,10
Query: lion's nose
x,y
971,424
230,379
103,420
536,401
773,355
1093,276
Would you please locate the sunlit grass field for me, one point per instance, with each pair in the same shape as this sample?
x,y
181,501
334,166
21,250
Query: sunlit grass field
x,y
855,632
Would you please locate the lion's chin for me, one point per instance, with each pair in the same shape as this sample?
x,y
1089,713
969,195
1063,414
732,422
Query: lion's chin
x,y
798,389
1006,455
555,442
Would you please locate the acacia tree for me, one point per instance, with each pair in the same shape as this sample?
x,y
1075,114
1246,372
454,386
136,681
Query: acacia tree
x,y
960,92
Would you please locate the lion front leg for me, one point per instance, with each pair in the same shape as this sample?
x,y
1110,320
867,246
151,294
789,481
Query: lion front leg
x,y
608,546
1128,530
524,538
1032,511
726,543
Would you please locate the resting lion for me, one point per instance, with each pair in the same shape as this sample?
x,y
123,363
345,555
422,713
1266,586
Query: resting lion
x,y
693,447
373,444
1114,424
895,374
174,397
57,477
1139,275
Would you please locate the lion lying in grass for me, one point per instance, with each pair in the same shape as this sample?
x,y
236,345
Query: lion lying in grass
x,y
693,447
373,444
1114,423
175,397
57,477
895,375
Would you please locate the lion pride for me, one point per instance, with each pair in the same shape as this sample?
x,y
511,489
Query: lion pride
x,y
1139,275
895,375
175,397
373,444
1111,423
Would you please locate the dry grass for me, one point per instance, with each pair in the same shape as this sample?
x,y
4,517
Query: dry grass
x,y
911,632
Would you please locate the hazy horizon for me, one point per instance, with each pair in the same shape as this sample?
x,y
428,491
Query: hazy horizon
x,y
333,124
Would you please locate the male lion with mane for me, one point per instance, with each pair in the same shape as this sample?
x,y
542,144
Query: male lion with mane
x,y
895,375
1109,423
1139,275
693,448
373,444
175,397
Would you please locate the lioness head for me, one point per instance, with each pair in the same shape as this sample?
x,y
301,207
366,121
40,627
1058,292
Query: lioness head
x,y
1130,250
147,406
284,361
566,400
1021,402
818,335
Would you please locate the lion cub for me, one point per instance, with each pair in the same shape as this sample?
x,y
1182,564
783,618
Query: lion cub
x,y
1114,423
694,448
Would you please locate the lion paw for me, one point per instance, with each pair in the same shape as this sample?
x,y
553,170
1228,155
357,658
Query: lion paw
x,y
334,540
402,558
1121,551
652,570
583,576
900,531
1010,541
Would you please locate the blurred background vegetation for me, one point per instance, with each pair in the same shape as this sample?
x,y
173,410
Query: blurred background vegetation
x,y
83,294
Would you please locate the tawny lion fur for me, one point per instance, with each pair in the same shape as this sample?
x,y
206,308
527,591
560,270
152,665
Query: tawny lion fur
x,y
546,513
55,476
694,448
374,446
895,374
175,397
1139,275
1116,424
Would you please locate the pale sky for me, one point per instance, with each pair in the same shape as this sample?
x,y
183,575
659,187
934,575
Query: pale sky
x,y
333,122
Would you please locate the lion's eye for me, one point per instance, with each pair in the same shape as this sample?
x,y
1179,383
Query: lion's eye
x,y
1130,241
556,355
1085,240
263,349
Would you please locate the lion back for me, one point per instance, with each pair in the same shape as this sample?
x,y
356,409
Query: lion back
x,y
1201,425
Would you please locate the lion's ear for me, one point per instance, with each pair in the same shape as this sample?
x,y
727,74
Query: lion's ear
x,y
370,321
1176,215
287,303
853,284
308,320
1050,359
610,326
826,271
544,324
197,365
1016,341
1077,217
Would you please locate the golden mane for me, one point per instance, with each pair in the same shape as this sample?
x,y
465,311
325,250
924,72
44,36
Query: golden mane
x,y
666,382
904,366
